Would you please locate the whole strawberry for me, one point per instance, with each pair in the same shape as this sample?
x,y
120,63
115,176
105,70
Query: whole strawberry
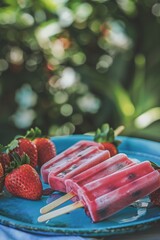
x,y
23,180
46,150
24,145
106,136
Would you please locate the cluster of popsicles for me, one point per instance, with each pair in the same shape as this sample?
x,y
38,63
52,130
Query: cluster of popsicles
x,y
101,184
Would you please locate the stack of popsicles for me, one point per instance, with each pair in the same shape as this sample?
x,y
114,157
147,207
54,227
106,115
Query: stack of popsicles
x,y
102,185
67,158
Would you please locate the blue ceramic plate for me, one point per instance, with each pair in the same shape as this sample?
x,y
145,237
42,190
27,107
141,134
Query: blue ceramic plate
x,y
22,214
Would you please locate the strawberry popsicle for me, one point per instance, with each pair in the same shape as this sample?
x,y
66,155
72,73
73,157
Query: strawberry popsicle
x,y
103,169
66,156
106,196
74,181
85,159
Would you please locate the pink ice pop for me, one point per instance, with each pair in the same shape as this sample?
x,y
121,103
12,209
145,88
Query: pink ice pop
x,y
66,156
87,158
94,169
98,171
106,196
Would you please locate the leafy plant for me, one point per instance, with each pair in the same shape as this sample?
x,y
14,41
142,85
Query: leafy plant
x,y
69,66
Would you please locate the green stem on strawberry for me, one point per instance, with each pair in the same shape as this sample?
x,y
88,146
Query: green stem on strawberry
x,y
17,161
12,145
31,134
106,136
24,144
155,166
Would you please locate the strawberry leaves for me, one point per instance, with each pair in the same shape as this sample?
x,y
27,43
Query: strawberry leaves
x,y
106,134
33,133
17,161
155,166
12,145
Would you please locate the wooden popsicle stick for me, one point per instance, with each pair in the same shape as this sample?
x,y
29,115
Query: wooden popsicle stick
x,y
60,211
118,130
56,203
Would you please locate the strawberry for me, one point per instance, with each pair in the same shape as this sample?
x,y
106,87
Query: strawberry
x,y
155,197
46,150
2,173
110,147
4,162
24,145
105,135
23,180
6,158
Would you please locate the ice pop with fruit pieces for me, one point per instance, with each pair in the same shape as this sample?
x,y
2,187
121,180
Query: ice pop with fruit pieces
x,y
102,202
71,152
67,156
84,160
57,181
113,193
98,171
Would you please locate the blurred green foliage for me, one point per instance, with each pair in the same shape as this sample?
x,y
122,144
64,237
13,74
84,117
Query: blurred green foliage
x,y
69,66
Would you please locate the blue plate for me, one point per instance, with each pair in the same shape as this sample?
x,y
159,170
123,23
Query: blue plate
x,y
22,214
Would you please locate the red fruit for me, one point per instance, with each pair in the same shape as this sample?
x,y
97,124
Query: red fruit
x,y
155,197
5,158
46,150
24,146
110,147
106,137
2,172
24,182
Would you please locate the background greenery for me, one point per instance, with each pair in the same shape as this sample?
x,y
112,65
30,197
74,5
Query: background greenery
x,y
69,66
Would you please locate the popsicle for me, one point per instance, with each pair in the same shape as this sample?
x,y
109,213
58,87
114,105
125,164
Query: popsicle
x,y
57,180
98,171
85,159
118,191
104,197
67,156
